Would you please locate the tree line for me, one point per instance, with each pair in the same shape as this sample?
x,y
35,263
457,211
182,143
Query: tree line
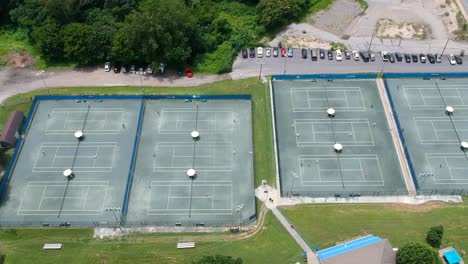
x,y
205,32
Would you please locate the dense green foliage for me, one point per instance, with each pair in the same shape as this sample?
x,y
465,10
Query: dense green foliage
x,y
205,33
218,259
417,253
434,236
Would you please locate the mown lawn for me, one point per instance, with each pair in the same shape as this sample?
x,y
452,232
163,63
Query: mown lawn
x,y
262,124
328,224
271,245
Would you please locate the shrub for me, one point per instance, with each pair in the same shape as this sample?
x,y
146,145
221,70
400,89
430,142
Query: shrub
x,y
434,236
417,253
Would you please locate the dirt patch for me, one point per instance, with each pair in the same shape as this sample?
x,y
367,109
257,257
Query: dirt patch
x,y
338,17
387,28
426,207
448,11
20,59
304,42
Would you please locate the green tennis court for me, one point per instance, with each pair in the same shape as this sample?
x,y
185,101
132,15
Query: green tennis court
x,y
433,136
308,162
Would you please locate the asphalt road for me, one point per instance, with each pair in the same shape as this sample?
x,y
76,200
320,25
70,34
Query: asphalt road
x,y
297,65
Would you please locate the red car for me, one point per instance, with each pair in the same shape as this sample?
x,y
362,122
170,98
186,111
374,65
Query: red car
x,y
283,52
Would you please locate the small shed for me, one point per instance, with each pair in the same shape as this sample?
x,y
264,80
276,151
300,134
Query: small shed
x,y
10,133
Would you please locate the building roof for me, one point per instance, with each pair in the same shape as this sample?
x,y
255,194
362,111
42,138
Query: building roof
x,y
14,122
365,250
452,257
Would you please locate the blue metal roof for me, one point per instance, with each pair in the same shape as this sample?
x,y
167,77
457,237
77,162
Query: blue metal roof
x,y
348,246
452,257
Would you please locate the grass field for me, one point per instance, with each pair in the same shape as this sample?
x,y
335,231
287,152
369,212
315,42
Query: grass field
x,y
262,126
327,225
271,245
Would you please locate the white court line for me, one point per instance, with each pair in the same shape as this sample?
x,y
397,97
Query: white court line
x,y
459,122
438,180
433,87
321,89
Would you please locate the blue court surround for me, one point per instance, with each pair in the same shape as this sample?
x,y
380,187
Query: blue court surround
x,y
348,246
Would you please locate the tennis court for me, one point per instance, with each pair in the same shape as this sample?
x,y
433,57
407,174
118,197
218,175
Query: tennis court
x,y
221,193
432,135
306,136
39,194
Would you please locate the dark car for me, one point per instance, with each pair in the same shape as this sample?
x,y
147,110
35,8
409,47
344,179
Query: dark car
x,y
431,58
117,67
422,58
414,57
252,52
304,53
330,55
245,53
391,57
398,56
458,59
364,55
347,55
275,52
407,58
322,54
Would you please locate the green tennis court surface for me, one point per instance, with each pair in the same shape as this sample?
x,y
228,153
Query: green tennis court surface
x,y
432,136
308,162
222,192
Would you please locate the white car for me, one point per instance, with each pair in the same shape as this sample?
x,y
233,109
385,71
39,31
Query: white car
x,y
107,67
451,59
384,55
267,52
259,52
355,55
339,56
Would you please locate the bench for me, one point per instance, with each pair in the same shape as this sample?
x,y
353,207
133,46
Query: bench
x,y
185,245
56,246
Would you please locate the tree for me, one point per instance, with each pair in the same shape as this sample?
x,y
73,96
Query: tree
x,y
47,37
434,236
274,13
218,259
103,28
162,31
30,14
417,253
77,42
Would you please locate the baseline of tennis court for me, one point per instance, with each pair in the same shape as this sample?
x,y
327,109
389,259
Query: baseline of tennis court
x,y
38,192
306,134
432,135
221,192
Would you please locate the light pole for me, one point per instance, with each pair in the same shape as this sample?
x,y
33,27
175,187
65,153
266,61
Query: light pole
x,y
239,210
113,210
285,60
41,74
294,177
239,79
445,47
424,176
141,84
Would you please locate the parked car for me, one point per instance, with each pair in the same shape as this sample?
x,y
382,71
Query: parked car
x,y
372,56
125,68
438,58
252,52
330,55
132,69
275,52
117,68
431,58
422,58
150,69
259,52
322,54
355,55
384,55
290,52
407,58
398,56
283,52
313,54
339,55
391,57
458,59
365,57
414,57
107,66
245,53
347,55
304,53
451,59
268,52
162,68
